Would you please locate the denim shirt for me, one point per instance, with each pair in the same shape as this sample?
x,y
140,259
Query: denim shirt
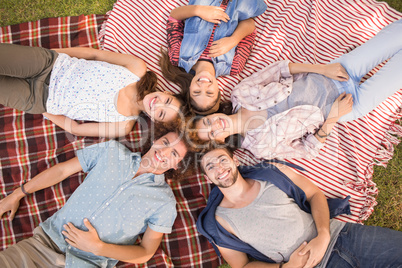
x,y
198,31
117,205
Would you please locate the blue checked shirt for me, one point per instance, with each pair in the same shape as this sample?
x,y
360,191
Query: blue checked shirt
x,y
118,206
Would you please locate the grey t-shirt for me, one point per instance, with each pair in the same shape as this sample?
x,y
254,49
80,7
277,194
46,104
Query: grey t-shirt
x,y
311,89
274,224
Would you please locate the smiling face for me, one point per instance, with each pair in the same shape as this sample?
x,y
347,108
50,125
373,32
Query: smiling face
x,y
204,91
166,153
219,168
214,127
161,106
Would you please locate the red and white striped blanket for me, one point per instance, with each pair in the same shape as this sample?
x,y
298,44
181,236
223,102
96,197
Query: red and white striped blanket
x,y
314,31
302,30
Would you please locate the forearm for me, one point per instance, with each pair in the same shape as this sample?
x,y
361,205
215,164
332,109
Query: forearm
x,y
325,130
51,176
184,12
108,130
320,213
126,253
296,68
78,52
259,264
244,28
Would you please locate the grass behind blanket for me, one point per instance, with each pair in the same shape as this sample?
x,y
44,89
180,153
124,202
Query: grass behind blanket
x,y
388,212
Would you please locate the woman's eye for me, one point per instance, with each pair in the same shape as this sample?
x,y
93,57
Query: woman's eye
x,y
160,114
167,101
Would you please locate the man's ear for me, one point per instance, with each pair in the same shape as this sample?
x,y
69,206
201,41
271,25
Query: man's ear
x,y
236,161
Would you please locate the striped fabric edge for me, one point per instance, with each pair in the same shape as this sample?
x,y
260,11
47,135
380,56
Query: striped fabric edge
x,y
302,31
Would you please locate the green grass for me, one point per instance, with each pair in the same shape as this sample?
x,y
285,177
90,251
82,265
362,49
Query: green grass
x,y
17,11
388,212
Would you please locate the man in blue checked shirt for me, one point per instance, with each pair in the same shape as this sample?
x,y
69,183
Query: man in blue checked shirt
x,y
123,195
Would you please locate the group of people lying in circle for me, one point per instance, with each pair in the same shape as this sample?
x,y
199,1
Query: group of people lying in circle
x,y
285,110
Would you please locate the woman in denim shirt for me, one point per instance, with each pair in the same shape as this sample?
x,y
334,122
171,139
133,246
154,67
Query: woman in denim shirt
x,y
215,40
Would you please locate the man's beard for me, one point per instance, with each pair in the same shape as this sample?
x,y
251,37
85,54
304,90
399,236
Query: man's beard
x,y
235,176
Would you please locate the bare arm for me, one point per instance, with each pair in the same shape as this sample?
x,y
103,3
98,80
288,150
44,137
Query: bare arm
x,y
131,62
89,241
320,212
239,259
333,70
222,46
208,13
342,106
107,129
45,179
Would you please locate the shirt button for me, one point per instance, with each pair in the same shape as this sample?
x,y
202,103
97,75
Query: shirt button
x,y
288,92
93,218
258,98
275,102
121,188
107,204
287,85
259,108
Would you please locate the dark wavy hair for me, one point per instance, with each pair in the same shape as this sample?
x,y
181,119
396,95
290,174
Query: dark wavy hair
x,y
147,84
183,79
153,131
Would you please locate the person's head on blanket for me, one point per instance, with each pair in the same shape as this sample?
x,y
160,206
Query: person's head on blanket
x,y
123,195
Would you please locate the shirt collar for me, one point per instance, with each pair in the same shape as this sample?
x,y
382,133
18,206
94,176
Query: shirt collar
x,y
136,158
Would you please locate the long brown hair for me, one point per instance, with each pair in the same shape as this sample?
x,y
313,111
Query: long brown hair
x,y
147,84
175,74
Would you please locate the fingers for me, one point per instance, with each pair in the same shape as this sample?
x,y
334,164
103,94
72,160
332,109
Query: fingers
x,y
305,249
12,214
310,262
88,225
219,15
341,96
301,247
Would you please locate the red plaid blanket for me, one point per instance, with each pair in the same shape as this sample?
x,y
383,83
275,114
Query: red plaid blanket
x,y
29,145
313,31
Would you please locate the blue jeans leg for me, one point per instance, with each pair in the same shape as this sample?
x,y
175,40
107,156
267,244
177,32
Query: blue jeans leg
x,y
387,44
367,246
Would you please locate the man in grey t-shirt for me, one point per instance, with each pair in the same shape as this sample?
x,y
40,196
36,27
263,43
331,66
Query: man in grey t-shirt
x,y
268,220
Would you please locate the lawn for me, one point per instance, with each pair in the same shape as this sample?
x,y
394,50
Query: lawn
x,y
388,212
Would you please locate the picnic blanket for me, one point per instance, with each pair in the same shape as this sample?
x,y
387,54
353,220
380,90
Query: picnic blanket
x,y
303,31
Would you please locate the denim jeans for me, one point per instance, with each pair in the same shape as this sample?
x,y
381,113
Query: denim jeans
x,y
387,44
367,246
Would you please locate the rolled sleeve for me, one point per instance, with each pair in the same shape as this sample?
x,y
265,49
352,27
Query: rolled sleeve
x,y
89,157
162,221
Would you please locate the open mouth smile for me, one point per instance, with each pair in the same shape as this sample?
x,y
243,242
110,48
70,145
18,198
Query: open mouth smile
x,y
204,79
152,102
158,157
224,175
